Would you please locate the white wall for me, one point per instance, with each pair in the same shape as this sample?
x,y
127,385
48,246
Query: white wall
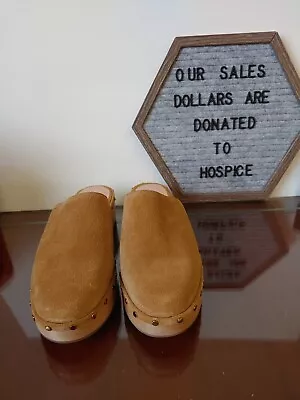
x,y
74,73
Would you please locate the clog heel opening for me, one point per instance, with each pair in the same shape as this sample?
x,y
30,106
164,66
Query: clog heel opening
x,y
153,187
97,189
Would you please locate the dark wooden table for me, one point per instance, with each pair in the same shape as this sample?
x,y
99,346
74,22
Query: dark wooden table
x,y
245,345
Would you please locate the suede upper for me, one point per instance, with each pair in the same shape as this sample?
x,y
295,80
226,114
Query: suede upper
x,y
74,263
161,266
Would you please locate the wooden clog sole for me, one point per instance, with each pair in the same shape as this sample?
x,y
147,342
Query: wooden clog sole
x,y
74,331
162,326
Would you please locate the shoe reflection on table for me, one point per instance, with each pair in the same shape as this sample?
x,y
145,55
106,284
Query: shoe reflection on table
x,y
239,241
164,357
86,360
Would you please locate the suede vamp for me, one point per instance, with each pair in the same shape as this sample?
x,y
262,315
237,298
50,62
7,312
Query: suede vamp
x,y
161,266
74,262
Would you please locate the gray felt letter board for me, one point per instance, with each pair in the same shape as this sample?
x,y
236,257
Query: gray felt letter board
x,y
222,118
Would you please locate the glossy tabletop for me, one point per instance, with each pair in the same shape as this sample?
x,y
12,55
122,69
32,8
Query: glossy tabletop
x,y
244,345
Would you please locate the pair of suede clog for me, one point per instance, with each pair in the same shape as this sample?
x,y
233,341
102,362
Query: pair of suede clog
x,y
73,283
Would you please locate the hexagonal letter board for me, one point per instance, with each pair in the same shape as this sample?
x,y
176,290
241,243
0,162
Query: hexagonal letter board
x,y
222,118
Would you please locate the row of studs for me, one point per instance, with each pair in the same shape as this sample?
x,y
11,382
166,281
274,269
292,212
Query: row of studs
x,y
155,322
74,327
71,327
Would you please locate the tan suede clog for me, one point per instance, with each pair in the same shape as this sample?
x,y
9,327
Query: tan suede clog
x,y
73,277
161,268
